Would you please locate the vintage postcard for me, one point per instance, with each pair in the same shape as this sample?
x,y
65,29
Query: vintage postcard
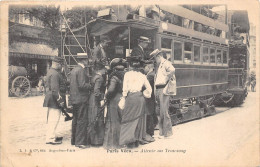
x,y
129,83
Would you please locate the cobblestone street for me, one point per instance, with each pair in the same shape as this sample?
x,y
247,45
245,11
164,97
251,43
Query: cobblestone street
x,y
230,135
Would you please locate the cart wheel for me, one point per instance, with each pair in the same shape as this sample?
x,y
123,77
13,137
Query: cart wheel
x,y
21,86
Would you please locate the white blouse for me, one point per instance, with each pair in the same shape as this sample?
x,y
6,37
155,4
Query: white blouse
x,y
134,82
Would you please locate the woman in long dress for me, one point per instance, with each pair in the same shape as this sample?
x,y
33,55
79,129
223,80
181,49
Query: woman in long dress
x,y
133,128
97,95
113,95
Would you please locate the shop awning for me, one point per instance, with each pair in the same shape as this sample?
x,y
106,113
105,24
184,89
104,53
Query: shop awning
x,y
31,50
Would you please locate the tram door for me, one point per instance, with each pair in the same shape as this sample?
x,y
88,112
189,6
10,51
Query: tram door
x,y
135,35
122,42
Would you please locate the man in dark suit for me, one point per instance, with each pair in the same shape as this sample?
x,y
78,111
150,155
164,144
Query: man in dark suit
x,y
79,94
151,118
55,90
138,51
99,54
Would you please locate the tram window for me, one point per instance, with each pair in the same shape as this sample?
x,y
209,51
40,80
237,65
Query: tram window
x,y
218,33
212,56
177,20
197,26
177,51
224,57
197,53
187,52
166,47
219,57
205,54
188,23
166,43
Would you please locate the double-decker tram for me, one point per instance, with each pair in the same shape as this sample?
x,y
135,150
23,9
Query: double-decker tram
x,y
195,42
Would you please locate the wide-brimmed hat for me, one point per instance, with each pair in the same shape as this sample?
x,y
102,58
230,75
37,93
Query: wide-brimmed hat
x,y
144,39
118,63
155,53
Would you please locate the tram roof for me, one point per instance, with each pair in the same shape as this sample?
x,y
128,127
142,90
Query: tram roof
x,y
100,26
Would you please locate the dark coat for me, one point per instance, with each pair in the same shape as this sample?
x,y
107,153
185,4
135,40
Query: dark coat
x,y
54,86
151,119
79,85
99,86
138,52
150,102
112,126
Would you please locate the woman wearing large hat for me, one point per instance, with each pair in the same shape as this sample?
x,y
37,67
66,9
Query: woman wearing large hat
x,y
113,95
133,116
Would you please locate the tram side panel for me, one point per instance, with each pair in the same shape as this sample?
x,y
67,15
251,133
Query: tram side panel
x,y
200,81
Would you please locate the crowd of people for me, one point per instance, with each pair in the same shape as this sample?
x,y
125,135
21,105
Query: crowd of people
x,y
114,109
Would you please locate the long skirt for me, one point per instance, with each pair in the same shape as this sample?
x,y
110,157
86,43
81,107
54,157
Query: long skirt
x,y
98,131
133,119
112,126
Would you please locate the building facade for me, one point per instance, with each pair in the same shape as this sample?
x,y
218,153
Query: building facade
x,y
28,45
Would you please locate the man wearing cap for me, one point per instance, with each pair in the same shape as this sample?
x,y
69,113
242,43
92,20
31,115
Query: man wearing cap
x,y
164,73
79,94
55,90
99,54
139,50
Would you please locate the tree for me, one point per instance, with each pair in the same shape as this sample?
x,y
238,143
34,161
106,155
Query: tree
x,y
49,15
79,16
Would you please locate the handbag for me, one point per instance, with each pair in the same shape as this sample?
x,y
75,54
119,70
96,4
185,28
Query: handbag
x,y
121,103
170,88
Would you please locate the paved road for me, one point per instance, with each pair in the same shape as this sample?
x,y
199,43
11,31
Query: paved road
x,y
231,137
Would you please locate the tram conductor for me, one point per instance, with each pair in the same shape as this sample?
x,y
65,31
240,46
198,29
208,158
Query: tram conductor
x,y
164,79
139,50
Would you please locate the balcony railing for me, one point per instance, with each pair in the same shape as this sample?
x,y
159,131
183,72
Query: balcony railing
x,y
202,24
146,19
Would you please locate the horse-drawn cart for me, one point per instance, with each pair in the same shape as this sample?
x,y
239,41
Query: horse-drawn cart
x,y
19,84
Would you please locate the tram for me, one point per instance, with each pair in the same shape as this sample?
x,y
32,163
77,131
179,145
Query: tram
x,y
196,44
